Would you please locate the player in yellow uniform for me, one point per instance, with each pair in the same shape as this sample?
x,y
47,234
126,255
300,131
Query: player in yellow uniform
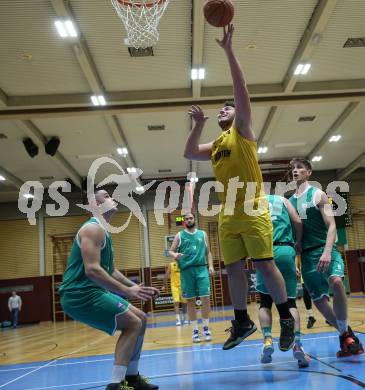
x,y
242,232
173,272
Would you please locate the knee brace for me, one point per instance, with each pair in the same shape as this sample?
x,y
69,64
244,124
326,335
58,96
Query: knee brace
x,y
291,303
265,301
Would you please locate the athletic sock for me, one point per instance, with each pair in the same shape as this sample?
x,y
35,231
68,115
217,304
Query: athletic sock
x,y
297,336
241,316
283,310
194,324
342,326
266,331
310,313
177,317
206,322
132,369
118,373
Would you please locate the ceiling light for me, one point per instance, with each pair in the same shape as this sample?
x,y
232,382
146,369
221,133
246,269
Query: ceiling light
x,y
198,73
139,188
262,150
61,29
335,138
306,68
131,170
122,151
98,100
2,178
70,29
66,29
28,196
101,100
94,100
302,69
194,179
317,158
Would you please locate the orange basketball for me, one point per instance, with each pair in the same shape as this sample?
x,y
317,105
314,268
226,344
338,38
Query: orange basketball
x,y
218,13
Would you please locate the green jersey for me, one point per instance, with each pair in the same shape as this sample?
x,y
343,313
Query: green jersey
x,y
283,231
74,277
314,228
193,247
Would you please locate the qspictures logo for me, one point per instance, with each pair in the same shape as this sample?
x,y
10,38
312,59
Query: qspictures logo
x,y
168,194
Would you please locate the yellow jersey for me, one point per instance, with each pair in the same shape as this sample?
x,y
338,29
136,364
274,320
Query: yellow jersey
x,y
174,274
235,156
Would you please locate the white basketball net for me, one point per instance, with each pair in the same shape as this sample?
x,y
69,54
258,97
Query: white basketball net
x,y
140,19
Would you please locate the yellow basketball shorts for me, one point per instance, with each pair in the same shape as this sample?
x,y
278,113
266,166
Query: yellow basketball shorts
x,y
244,236
177,294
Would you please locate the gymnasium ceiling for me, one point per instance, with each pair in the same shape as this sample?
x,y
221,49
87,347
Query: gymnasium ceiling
x,y
46,83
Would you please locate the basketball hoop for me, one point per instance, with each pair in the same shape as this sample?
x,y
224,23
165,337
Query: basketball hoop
x,y
140,19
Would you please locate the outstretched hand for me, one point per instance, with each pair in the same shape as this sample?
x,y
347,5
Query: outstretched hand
x,y
143,293
197,114
226,42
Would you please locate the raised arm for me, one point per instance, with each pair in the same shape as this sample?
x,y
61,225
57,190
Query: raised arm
x,y
243,123
194,150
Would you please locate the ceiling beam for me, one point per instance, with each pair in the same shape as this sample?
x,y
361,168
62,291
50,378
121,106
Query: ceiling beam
x,y
150,96
89,69
119,137
12,179
309,40
315,28
80,48
3,99
344,173
37,136
198,43
334,127
270,120
181,105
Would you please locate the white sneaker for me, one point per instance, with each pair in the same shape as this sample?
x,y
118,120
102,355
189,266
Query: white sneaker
x,y
196,336
178,323
186,322
301,356
207,333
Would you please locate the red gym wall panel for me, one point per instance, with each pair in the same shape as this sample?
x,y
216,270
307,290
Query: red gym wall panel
x,y
36,295
356,270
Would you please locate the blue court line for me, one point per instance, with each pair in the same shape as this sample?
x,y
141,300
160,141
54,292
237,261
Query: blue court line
x,y
172,323
154,353
194,372
164,352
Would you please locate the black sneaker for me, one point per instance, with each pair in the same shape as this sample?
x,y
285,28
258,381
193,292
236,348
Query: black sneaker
x,y
311,321
287,336
238,333
119,386
357,349
140,382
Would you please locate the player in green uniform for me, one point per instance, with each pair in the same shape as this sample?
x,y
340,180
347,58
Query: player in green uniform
x,y
284,218
321,264
90,293
191,250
